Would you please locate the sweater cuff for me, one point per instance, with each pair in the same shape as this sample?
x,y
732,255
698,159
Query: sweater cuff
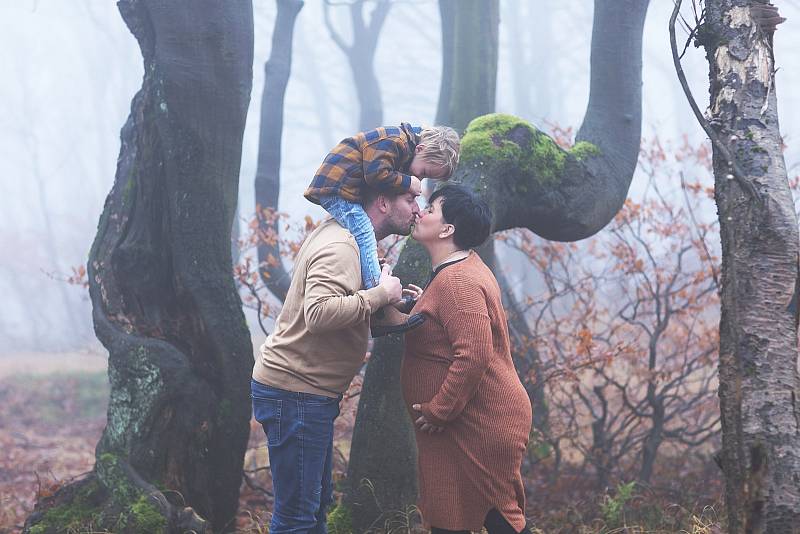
x,y
426,411
376,298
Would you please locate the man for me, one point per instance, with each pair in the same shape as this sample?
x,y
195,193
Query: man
x,y
317,347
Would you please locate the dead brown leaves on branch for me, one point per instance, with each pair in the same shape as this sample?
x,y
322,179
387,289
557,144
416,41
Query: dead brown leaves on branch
x,y
626,326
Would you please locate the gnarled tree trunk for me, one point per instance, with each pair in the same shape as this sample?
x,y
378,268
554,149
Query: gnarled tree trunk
x,y
529,182
758,378
164,300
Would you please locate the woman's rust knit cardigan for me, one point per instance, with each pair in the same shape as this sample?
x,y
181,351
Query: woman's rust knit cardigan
x,y
458,366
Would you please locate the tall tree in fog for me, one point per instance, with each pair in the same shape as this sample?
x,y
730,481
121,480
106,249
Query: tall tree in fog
x,y
759,382
469,31
164,301
268,180
530,54
469,60
529,182
49,238
361,56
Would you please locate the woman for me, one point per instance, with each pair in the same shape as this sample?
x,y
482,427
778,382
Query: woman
x,y
471,413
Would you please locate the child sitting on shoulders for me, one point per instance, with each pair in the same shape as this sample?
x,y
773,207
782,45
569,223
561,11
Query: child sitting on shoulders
x,y
386,158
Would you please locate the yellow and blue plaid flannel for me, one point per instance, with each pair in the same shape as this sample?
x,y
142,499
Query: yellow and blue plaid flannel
x,y
376,158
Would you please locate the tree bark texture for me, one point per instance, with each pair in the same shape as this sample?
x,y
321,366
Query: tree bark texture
x,y
268,181
447,11
758,376
381,474
470,31
528,182
164,300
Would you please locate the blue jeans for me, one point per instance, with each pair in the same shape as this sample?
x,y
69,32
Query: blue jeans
x,y
352,216
299,429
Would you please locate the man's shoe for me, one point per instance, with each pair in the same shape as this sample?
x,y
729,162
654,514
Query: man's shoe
x,y
382,329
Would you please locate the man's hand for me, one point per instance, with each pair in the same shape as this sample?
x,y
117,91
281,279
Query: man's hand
x,y
423,424
391,284
766,16
416,186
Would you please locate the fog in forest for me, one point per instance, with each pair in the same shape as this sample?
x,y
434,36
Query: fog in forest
x,y
70,70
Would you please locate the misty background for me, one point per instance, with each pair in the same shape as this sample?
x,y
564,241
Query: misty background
x,y
70,70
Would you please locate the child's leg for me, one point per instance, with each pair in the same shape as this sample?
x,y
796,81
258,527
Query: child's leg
x,y
352,216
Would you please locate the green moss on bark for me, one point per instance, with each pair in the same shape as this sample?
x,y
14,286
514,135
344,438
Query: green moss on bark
x,y
340,520
502,140
583,150
114,478
134,390
145,517
109,502
83,512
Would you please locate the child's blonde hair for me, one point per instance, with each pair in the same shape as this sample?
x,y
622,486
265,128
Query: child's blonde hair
x,y
440,146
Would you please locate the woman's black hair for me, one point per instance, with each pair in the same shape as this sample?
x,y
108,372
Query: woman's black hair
x,y
469,214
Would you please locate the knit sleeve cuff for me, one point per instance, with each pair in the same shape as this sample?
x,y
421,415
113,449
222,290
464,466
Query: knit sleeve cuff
x,y
376,298
428,413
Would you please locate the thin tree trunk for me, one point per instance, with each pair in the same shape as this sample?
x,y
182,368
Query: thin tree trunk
x,y
474,52
447,11
268,177
759,381
164,301
361,57
529,54
319,91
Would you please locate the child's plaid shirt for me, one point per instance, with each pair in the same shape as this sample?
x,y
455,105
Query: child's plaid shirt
x,y
378,158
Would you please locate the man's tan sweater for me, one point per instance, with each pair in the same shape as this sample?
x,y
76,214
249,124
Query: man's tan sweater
x,y
321,334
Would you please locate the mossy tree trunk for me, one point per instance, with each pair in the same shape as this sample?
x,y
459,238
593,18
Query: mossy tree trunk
x,y
268,172
379,489
164,300
758,376
530,183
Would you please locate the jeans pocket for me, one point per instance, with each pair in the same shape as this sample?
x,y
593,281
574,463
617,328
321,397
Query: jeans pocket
x,y
268,413
321,408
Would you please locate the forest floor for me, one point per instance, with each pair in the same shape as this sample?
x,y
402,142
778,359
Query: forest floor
x,y
53,411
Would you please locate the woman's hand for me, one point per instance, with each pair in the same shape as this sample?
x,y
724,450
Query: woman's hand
x,y
423,424
412,291
411,294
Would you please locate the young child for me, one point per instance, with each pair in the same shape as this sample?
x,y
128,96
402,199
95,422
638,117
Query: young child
x,y
386,158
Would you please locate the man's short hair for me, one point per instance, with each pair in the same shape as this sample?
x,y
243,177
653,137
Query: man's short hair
x,y
468,213
370,194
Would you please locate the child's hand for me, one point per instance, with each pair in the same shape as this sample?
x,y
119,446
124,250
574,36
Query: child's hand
x,y
416,185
